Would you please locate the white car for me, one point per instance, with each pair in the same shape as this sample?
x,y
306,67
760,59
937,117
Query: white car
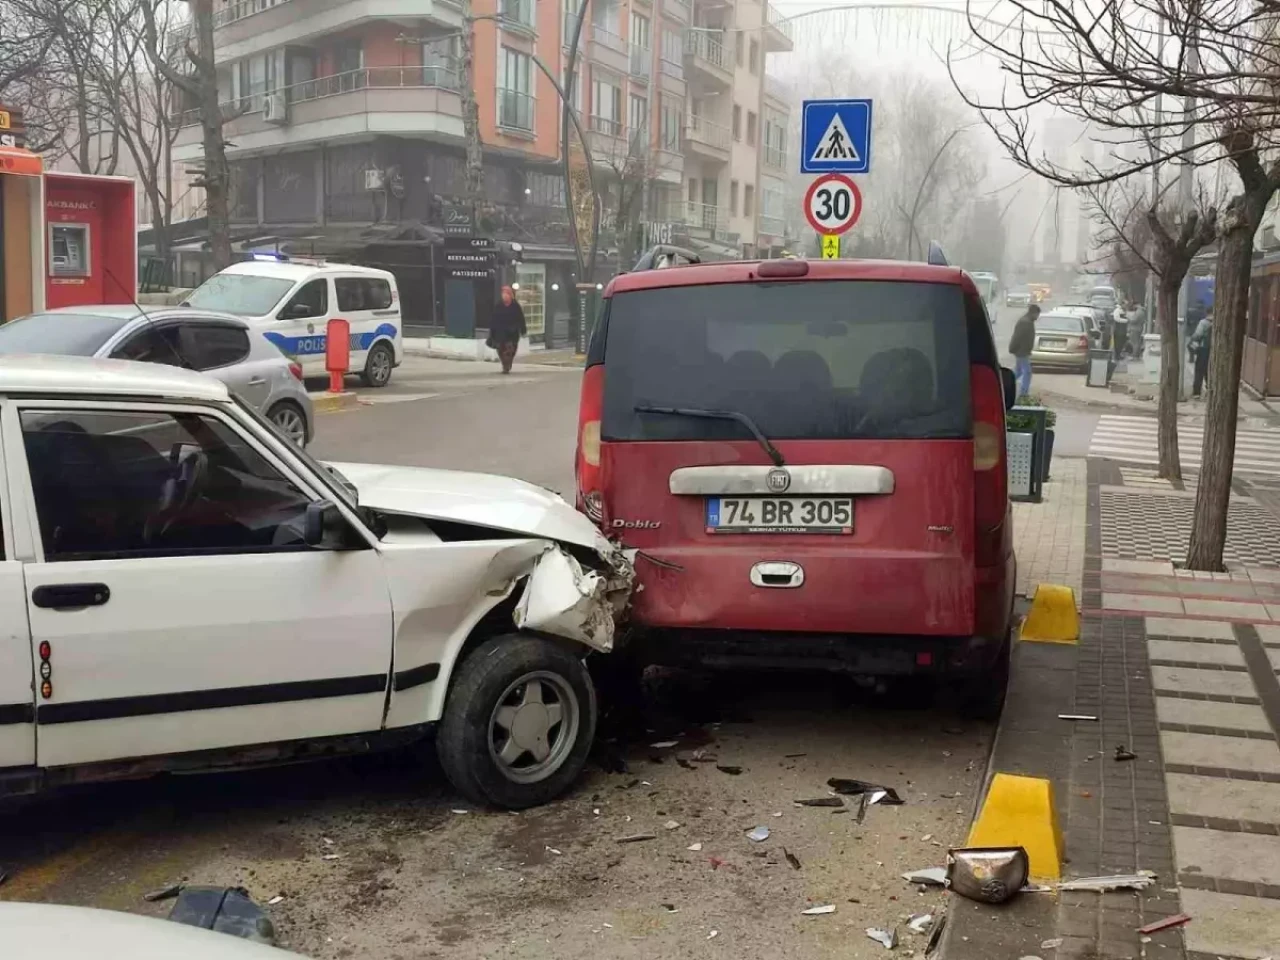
x,y
291,301
190,590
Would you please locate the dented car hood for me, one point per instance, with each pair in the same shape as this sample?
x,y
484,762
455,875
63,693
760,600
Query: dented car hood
x,y
484,499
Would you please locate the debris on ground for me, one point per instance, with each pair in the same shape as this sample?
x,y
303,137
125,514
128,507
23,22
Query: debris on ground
x,y
338,856
164,893
716,863
819,911
1176,920
758,834
920,922
1120,881
1053,944
987,874
930,876
548,849
637,838
671,825
888,938
3,876
820,802
874,792
670,908
713,934
664,744
228,910
791,858
278,898
1077,716
695,847
685,763
1122,753
730,770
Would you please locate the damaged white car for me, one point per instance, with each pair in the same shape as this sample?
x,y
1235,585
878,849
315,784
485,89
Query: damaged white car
x,y
182,589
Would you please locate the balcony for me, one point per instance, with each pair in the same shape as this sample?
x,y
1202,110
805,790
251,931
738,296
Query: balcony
x,y
239,9
778,32
641,63
607,38
704,216
774,157
707,139
705,51
775,227
373,100
518,15
601,45
676,9
515,112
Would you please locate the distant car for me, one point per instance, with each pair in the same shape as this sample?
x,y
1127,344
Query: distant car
x,y
221,345
1062,340
1084,311
1019,297
1040,291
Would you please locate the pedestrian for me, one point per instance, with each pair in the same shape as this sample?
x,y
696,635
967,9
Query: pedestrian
x,y
1021,344
1120,331
506,328
1199,347
1137,327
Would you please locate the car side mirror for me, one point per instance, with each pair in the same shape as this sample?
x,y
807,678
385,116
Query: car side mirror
x,y
323,525
1010,384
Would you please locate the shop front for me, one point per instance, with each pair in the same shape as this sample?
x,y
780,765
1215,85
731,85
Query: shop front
x,y
21,191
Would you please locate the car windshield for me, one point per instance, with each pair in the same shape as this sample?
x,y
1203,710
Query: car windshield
x,y
1102,293
1059,323
326,474
65,334
831,359
244,294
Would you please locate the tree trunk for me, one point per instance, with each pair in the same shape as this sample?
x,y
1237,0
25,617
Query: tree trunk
x,y
1171,364
471,111
217,172
1231,301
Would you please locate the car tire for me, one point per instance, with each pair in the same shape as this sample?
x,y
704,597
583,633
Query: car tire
x,y
982,695
378,365
289,420
495,747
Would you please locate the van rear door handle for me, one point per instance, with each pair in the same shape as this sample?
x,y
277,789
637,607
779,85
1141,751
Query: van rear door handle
x,y
70,596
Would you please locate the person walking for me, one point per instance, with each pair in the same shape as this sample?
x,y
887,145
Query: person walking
x,y
1021,344
1199,347
506,328
1120,330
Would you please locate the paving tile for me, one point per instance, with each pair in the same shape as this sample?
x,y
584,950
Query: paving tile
x,y
1233,753
1273,611
1234,856
1218,653
1209,713
1206,629
1268,632
1190,680
1232,609
1230,925
1137,566
1263,574
1141,603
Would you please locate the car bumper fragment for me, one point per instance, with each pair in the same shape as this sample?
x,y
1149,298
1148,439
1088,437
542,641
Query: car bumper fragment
x,y
565,599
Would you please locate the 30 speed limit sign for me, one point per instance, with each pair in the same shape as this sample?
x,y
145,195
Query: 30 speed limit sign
x,y
833,203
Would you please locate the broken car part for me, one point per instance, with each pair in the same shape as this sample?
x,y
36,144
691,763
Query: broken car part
x,y
758,834
889,938
987,874
930,876
820,802
1123,753
791,858
875,792
164,893
1120,881
732,771
1176,920
637,838
819,911
920,922
224,910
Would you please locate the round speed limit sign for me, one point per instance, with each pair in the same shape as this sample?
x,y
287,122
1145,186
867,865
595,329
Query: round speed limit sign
x,y
833,203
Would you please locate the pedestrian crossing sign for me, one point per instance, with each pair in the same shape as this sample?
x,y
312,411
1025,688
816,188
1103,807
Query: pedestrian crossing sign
x,y
830,246
835,136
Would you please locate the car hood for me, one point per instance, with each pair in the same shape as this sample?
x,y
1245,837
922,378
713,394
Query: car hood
x,y
482,499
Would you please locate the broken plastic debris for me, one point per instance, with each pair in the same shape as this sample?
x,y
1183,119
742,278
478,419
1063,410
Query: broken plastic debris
x,y
759,834
920,922
1122,753
274,900
926,838
637,837
670,908
791,858
332,856
1051,944
453,811
888,938
1176,920
552,850
1076,716
664,744
874,792
561,597
329,843
819,911
671,825
164,893
930,876
731,770
713,934
1120,881
820,802
987,874
695,847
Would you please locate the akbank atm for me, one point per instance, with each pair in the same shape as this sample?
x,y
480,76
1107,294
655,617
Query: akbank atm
x,y
90,241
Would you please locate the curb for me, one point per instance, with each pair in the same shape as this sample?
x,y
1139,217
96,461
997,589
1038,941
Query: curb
x,y
328,402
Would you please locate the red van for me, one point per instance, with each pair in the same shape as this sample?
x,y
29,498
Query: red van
x,y
809,457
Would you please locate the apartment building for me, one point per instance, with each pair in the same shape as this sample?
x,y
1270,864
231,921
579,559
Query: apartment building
x,y
345,130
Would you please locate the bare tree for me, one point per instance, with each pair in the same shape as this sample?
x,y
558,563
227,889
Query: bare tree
x,y
632,163
1110,68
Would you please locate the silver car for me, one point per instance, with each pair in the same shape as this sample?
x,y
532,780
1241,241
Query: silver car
x,y
218,344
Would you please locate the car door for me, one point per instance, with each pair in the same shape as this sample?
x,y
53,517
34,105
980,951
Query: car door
x,y
221,349
17,693
180,606
299,327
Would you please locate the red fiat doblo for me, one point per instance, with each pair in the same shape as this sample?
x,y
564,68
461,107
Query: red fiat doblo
x,y
809,457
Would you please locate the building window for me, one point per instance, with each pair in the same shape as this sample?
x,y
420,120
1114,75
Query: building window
x,y
545,189
606,104
515,90
638,115
670,112
672,53
739,41
775,143
640,31
753,57
737,122
693,190
518,13
733,197
751,128
748,200
532,279
606,16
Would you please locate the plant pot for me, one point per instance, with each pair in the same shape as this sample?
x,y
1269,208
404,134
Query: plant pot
x,y
1048,453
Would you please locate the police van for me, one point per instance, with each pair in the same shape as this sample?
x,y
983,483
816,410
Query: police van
x,y
291,300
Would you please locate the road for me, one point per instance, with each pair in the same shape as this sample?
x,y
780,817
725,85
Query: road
x,y
420,874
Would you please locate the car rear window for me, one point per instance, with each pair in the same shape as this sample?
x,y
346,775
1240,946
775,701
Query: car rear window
x,y
1060,323
814,360
65,334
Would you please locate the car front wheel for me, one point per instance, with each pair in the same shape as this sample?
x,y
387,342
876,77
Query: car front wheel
x,y
289,420
378,365
518,722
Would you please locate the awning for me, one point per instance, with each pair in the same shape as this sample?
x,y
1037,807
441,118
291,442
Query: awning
x,y
21,162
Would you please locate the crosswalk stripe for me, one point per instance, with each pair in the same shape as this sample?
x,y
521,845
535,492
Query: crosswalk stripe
x,y
1134,439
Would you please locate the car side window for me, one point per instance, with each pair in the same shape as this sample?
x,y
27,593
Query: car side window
x,y
379,294
152,344
207,346
351,294
311,300
120,484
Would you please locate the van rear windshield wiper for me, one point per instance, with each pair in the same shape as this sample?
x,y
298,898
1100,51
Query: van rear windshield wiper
x,y
733,415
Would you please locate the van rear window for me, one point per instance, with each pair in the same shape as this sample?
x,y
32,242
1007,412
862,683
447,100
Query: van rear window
x,y
814,360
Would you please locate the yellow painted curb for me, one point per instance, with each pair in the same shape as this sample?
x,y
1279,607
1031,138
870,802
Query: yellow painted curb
x,y
1053,617
1019,812
328,402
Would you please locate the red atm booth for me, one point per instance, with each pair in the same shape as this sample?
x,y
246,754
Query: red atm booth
x,y
91,239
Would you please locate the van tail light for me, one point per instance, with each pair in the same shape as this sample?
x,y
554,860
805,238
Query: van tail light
x,y
587,463
990,471
296,370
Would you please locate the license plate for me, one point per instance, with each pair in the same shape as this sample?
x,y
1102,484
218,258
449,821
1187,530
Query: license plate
x,y
780,515
1053,344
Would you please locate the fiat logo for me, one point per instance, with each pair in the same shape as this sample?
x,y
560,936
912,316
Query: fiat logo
x,y
777,480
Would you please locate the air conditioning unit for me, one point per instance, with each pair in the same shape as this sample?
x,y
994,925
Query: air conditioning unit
x,y
374,180
274,109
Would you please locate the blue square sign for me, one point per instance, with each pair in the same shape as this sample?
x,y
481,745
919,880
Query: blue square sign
x,y
835,136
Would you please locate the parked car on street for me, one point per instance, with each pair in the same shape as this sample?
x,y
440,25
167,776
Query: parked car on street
x,y
1085,312
192,591
1020,296
218,344
809,457
290,301
1062,341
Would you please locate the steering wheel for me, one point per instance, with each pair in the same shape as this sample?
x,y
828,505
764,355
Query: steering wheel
x,y
190,471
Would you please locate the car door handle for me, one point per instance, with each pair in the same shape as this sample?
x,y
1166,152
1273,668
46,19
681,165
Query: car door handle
x,y
70,596
257,381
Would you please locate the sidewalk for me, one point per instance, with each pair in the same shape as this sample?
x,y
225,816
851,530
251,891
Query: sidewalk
x,y
1070,389
1181,670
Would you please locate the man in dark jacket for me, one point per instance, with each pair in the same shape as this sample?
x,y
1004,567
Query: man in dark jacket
x,y
506,328
1021,344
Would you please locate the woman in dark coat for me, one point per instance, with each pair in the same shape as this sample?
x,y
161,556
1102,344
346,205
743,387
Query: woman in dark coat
x,y
506,328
